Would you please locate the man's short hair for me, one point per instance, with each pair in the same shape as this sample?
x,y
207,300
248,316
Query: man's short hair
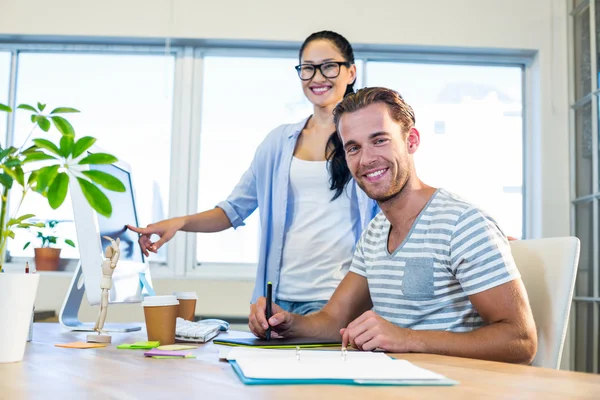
x,y
400,111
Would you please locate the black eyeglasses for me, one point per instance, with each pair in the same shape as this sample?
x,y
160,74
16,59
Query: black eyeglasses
x,y
330,69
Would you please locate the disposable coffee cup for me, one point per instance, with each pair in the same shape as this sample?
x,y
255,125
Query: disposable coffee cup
x,y
160,313
187,304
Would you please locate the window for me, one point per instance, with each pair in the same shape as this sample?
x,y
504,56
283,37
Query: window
x,y
470,121
4,82
585,157
126,103
142,106
267,93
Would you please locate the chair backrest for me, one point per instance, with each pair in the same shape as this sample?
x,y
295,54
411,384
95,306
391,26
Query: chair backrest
x,y
548,268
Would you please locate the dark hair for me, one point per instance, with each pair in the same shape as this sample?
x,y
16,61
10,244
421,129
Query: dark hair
x,y
339,174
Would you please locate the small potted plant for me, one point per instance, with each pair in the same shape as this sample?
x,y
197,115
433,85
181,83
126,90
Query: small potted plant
x,y
47,258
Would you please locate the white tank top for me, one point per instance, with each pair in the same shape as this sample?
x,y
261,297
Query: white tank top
x,y
319,239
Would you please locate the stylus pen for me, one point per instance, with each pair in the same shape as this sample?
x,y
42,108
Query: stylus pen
x,y
269,302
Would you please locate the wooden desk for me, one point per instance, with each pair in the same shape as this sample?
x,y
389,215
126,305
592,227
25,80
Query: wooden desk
x,y
51,372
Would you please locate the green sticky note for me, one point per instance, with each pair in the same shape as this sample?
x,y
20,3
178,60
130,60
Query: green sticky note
x,y
139,345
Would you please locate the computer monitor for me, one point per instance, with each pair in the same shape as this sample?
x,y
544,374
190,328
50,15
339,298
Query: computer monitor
x,y
131,279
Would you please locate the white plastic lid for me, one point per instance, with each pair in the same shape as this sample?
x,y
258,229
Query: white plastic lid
x,y
157,301
186,295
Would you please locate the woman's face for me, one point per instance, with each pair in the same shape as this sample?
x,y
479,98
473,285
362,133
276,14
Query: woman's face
x,y
321,90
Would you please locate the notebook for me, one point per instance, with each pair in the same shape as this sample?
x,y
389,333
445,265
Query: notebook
x,y
258,367
278,343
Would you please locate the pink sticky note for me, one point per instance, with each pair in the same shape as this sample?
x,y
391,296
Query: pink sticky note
x,y
156,352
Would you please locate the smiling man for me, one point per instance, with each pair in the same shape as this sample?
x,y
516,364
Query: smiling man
x,y
431,273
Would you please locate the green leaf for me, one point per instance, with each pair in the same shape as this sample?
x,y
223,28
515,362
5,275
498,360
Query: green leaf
x,y
52,223
95,198
82,145
64,110
39,225
9,172
58,190
63,125
4,107
31,149
20,175
4,153
33,177
70,242
41,106
39,156
27,107
6,181
46,178
52,239
99,158
15,221
66,145
13,162
106,180
10,234
26,245
48,145
25,216
43,123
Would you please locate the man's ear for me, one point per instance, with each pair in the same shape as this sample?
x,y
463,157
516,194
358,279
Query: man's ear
x,y
413,140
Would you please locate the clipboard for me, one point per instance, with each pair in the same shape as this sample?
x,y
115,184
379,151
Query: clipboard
x,y
287,343
409,382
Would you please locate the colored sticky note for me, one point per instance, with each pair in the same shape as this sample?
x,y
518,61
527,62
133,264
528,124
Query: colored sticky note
x,y
187,356
175,347
156,352
139,345
81,345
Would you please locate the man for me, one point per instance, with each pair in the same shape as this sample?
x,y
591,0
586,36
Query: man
x,y
431,273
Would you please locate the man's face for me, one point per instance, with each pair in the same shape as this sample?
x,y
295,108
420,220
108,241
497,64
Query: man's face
x,y
378,152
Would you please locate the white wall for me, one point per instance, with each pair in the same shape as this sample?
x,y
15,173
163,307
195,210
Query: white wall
x,y
511,24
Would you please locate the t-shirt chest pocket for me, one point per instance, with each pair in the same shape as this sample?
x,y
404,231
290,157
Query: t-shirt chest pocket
x,y
417,281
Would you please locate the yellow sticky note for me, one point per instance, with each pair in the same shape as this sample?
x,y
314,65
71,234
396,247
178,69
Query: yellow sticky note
x,y
175,347
81,345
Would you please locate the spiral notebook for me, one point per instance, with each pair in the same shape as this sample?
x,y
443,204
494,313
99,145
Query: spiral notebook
x,y
272,367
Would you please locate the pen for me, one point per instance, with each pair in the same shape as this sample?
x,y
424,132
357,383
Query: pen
x,y
269,301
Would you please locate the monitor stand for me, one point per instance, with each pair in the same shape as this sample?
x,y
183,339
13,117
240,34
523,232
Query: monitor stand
x,y
69,313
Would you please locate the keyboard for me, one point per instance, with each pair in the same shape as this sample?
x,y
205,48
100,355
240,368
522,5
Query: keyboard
x,y
201,331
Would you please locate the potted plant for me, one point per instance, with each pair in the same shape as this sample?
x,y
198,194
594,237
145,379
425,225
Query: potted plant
x,y
44,168
47,258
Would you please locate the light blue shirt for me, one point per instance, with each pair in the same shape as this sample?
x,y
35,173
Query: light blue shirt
x,y
265,185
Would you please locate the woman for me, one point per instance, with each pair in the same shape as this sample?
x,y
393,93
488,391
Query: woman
x,y
310,216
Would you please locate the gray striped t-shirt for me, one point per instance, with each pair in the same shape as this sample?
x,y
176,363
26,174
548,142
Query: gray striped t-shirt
x,y
452,250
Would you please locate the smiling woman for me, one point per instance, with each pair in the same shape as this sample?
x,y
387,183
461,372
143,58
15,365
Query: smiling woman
x,y
290,178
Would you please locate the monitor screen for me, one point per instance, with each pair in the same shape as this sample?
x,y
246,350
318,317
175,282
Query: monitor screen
x,y
123,212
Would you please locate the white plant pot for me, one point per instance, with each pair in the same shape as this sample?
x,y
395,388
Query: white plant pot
x,y
17,296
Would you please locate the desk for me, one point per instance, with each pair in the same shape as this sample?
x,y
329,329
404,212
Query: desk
x,y
49,372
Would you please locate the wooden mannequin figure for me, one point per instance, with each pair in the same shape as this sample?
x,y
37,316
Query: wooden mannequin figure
x,y
112,253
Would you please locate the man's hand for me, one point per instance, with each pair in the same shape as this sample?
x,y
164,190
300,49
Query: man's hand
x,y
280,321
371,331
